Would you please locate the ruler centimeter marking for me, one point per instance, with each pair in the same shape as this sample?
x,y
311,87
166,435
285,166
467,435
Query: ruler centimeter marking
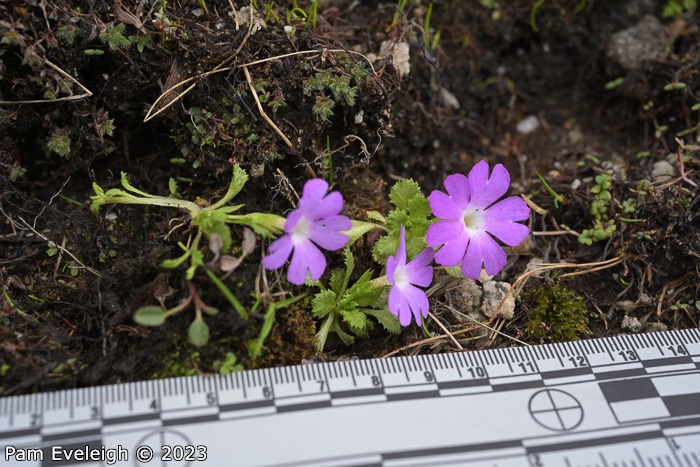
x,y
614,402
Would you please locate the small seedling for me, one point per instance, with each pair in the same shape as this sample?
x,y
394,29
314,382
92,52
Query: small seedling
x,y
556,197
141,42
68,33
60,144
603,227
676,8
614,83
113,36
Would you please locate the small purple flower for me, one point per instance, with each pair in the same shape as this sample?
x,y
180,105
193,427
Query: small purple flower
x,y
405,299
315,223
468,216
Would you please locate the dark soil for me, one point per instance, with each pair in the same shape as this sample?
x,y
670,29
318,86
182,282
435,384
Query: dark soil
x,y
72,278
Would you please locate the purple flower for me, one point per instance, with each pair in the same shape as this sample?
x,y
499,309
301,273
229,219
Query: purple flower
x,y
405,299
468,216
315,223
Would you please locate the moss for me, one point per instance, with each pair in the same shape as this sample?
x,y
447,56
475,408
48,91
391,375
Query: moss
x,y
293,336
176,365
556,313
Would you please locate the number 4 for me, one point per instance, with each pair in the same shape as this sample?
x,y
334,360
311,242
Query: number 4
x,y
680,350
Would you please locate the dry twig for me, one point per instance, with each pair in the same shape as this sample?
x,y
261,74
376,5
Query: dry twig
x,y
87,92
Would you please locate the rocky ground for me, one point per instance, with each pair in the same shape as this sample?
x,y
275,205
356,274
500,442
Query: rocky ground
x,y
590,105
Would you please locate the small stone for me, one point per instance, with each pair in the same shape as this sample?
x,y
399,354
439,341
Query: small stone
x,y
494,293
527,125
448,99
400,55
575,135
576,184
631,324
656,327
258,21
524,247
483,277
467,299
637,47
626,305
645,299
662,170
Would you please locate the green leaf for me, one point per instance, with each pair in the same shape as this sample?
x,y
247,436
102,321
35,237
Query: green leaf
x,y
402,192
228,294
363,292
198,332
336,281
374,215
385,247
349,267
360,228
150,316
394,220
287,301
355,319
267,225
419,207
172,186
386,318
173,263
229,365
255,346
196,260
323,303
129,187
454,271
215,222
238,180
344,336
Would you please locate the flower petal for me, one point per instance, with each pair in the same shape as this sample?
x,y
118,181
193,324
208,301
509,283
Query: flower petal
x,y
421,277
423,259
399,306
306,256
444,206
330,205
327,234
279,252
418,302
401,250
390,269
332,223
330,241
292,220
500,220
457,186
418,270
453,237
484,250
484,190
314,191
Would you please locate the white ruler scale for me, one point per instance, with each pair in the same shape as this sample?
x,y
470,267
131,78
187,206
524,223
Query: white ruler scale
x,y
626,401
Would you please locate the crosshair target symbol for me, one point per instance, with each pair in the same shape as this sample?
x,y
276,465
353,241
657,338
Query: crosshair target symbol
x,y
556,410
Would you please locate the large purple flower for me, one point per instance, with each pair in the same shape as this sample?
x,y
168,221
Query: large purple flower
x,y
315,223
469,218
405,299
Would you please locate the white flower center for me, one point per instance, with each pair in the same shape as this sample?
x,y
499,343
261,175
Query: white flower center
x,y
301,231
400,277
473,219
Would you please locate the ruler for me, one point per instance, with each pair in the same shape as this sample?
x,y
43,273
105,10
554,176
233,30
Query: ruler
x,y
626,401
